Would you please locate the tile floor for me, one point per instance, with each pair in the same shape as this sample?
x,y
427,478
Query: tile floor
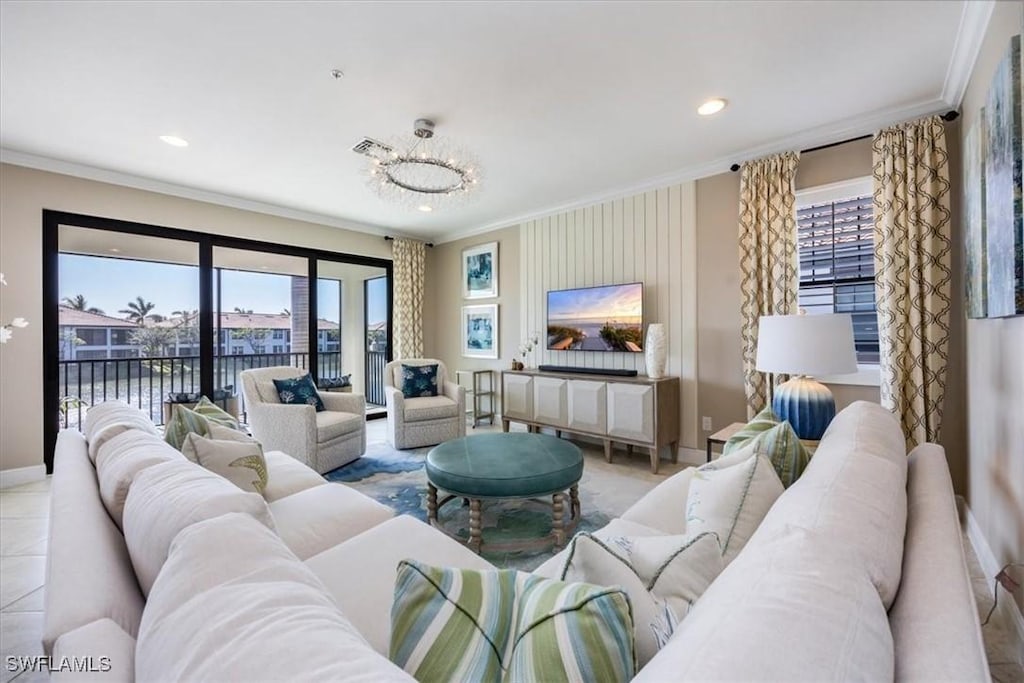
x,y
24,512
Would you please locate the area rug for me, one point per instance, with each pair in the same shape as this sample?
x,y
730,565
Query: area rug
x,y
398,479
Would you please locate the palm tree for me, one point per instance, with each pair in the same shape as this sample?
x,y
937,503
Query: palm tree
x,y
244,311
138,310
79,303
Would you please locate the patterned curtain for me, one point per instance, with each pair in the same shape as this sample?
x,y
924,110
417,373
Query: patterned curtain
x,y
409,257
912,271
768,259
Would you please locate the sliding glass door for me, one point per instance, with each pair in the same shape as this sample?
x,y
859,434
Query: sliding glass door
x,y
156,316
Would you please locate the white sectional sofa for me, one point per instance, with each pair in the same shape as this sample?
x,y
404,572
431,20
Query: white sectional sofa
x,y
856,573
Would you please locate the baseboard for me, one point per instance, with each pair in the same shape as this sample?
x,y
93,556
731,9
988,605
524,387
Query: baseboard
x,y
21,475
989,564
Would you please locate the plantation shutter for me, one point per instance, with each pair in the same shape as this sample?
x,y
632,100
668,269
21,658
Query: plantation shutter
x,y
837,268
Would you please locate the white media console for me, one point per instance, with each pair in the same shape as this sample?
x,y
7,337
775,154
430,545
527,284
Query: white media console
x,y
635,411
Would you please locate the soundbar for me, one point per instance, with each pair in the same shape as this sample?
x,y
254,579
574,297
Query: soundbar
x,y
615,372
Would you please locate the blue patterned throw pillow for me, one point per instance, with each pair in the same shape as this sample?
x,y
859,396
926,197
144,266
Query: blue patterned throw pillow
x,y
419,380
299,390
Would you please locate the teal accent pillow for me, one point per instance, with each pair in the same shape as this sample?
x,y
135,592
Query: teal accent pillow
x,y
503,625
419,380
299,391
762,422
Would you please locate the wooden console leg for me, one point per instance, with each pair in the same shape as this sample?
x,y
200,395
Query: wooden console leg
x,y
629,450
432,504
574,501
608,450
504,425
675,451
558,524
474,525
654,459
558,433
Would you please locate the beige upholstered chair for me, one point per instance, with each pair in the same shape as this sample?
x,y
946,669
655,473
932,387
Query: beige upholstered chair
x,y
427,420
324,441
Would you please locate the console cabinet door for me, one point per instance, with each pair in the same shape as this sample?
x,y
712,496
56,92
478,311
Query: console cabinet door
x,y
551,401
631,411
517,397
588,406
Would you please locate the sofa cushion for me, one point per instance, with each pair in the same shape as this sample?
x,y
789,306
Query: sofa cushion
x,y
664,506
121,458
430,408
88,571
507,625
419,380
103,645
792,610
299,391
730,501
321,517
166,498
239,461
373,556
252,614
286,475
854,489
782,447
332,425
663,576
107,420
618,527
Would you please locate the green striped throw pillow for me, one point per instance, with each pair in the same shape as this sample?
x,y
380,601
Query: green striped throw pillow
x,y
762,422
198,420
782,447
450,624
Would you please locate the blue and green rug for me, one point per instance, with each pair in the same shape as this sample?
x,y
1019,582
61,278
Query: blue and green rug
x,y
397,479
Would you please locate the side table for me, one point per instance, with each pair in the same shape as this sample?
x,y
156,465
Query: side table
x,y
723,435
477,393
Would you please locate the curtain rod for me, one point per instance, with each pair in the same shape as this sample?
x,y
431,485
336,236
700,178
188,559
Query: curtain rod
x,y
388,238
951,115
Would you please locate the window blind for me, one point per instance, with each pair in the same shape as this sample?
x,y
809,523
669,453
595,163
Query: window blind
x,y
837,268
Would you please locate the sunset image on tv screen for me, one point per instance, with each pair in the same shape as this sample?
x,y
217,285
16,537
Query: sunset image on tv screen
x,y
596,318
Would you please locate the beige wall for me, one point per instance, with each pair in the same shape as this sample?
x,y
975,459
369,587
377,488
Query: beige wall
x,y
994,397
443,303
24,193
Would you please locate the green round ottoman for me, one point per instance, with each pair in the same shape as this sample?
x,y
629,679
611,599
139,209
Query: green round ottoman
x,y
500,466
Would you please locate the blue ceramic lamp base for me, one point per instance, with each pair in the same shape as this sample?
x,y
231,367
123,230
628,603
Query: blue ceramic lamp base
x,y
806,404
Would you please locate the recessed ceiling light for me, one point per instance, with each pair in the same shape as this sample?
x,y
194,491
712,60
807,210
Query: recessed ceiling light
x,y
425,209
711,107
174,140
115,250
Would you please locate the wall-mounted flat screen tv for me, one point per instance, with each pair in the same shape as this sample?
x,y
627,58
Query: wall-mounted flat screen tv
x,y
608,318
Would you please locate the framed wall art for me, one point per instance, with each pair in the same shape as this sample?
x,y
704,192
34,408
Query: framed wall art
x,y
480,331
480,271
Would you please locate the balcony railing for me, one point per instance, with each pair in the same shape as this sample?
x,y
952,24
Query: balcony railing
x,y
146,382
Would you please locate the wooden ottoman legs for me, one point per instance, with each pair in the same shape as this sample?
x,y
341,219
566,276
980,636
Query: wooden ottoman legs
x,y
474,524
432,504
557,524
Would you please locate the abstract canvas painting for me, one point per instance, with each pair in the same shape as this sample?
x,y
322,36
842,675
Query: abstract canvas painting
x,y
974,219
1004,212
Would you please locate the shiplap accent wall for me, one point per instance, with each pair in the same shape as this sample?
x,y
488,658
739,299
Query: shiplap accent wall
x,y
649,238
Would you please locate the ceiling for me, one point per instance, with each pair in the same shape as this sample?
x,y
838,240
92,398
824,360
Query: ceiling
x,y
563,104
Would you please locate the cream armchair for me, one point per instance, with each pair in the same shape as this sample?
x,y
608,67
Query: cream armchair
x,y
324,441
427,420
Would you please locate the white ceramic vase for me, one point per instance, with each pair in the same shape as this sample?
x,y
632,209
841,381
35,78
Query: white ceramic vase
x,y
654,350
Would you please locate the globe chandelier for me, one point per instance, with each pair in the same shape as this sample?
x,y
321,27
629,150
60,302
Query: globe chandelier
x,y
421,171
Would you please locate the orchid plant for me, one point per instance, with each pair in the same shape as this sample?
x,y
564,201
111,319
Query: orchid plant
x,y
529,344
7,330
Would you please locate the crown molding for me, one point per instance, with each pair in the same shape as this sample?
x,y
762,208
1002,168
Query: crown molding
x,y
41,163
970,34
852,127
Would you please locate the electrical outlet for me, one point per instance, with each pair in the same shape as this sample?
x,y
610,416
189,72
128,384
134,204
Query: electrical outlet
x,y
707,424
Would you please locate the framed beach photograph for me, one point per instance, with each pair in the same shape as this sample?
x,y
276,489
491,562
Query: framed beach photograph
x,y
480,331
480,271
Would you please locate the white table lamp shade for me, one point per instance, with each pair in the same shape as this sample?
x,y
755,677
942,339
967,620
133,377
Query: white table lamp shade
x,y
806,344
